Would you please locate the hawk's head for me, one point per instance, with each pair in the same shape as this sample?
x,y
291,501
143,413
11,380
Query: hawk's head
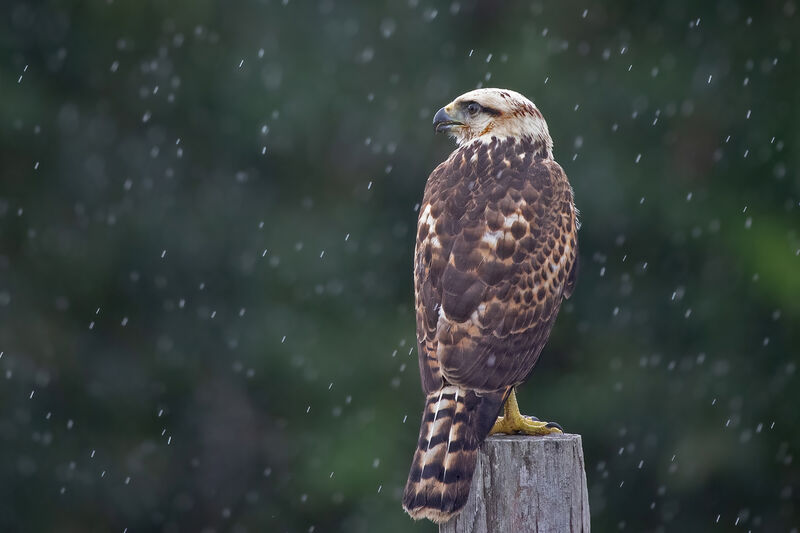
x,y
486,113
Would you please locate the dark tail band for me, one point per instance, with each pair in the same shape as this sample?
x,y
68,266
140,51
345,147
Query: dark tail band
x,y
454,423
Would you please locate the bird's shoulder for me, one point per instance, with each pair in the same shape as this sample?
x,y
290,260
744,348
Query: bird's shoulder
x,y
498,175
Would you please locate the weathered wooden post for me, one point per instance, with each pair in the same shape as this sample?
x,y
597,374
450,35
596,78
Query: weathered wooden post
x,y
524,484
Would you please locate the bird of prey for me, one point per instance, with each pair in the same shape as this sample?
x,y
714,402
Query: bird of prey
x,y
496,253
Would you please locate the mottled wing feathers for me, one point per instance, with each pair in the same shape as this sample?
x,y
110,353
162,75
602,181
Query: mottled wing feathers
x,y
572,278
495,256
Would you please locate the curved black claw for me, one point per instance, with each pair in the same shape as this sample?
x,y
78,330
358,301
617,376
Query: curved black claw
x,y
555,425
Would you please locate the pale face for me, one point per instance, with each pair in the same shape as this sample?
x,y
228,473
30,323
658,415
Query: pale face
x,y
486,113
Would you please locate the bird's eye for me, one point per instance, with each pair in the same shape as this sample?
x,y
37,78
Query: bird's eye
x,y
473,108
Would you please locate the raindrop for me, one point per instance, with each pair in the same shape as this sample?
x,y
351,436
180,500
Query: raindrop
x,y
388,27
430,14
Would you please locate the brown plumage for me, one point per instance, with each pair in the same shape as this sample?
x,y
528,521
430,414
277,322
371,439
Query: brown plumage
x,y
496,254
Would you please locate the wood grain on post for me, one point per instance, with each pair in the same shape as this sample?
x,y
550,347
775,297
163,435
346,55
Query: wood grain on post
x,y
524,484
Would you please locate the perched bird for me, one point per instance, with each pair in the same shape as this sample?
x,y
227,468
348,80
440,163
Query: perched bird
x,y
496,253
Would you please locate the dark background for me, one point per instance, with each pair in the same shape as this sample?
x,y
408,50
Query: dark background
x,y
207,215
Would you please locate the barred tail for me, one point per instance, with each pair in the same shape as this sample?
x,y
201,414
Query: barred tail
x,y
454,423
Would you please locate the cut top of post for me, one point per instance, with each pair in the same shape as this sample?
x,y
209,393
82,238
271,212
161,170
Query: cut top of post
x,y
526,484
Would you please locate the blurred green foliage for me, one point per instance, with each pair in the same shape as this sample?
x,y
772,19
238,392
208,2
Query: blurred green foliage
x,y
207,216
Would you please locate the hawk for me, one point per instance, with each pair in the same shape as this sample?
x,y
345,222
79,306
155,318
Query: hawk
x,y
496,253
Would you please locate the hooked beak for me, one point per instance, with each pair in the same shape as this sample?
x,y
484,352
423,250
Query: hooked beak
x,y
443,122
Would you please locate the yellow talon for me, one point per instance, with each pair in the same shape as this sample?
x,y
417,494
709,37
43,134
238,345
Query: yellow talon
x,y
513,422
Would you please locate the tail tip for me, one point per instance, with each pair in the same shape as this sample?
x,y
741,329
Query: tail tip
x,y
436,516
438,509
